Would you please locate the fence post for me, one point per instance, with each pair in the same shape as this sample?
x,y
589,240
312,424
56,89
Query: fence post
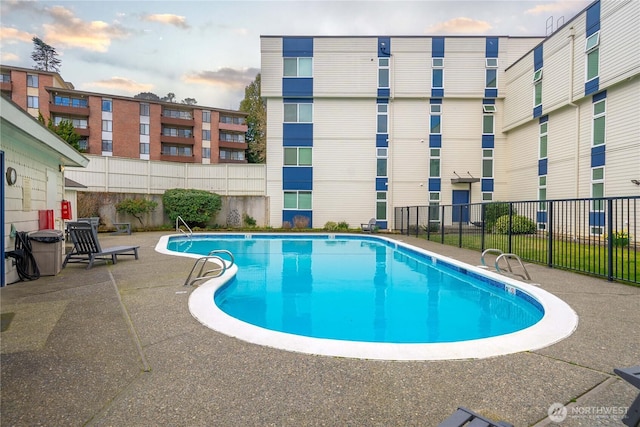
x,y
550,226
442,225
460,227
609,220
417,220
509,248
483,208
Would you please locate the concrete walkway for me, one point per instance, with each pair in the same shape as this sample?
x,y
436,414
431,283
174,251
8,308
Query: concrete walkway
x,y
117,346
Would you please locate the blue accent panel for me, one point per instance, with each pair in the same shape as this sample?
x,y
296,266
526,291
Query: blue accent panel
x,y
437,76
537,57
544,119
434,184
542,167
384,51
297,100
290,214
435,101
486,184
537,111
382,100
437,47
592,86
435,141
297,134
299,86
598,156
491,93
382,140
593,18
491,49
596,219
488,102
599,96
297,46
488,141
541,217
384,93
382,225
382,184
297,178
437,93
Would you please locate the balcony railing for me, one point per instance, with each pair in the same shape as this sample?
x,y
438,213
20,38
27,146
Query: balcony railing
x,y
68,109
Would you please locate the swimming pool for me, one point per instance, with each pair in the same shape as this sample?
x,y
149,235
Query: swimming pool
x,y
490,314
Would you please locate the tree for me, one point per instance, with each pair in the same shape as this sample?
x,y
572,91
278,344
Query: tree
x,y
171,97
136,208
254,106
45,56
66,131
150,96
189,101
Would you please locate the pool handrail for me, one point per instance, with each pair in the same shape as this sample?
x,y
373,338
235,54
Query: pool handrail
x,y
222,266
178,220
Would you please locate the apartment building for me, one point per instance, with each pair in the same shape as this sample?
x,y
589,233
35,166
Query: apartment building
x,y
357,126
111,125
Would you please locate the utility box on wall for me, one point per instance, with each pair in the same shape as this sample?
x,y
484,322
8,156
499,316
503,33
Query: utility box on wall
x,y
45,220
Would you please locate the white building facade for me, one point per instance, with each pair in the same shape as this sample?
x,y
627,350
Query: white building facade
x,y
357,126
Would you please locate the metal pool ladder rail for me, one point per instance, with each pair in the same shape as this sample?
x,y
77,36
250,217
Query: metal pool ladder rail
x,y
180,220
506,257
221,265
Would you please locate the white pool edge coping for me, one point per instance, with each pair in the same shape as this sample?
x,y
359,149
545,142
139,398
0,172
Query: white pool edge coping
x,y
559,321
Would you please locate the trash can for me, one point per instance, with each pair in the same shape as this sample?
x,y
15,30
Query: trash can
x,y
46,247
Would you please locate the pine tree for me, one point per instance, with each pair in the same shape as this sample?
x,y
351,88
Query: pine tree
x,y
45,56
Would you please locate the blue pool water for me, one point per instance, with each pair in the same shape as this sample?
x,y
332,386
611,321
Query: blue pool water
x,y
361,289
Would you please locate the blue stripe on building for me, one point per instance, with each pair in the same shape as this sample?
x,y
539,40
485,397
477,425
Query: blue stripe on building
x,y
289,215
537,111
593,18
486,184
434,184
384,93
541,217
437,47
488,141
491,48
491,93
297,46
597,156
599,96
297,87
592,86
297,178
544,119
382,184
537,58
435,140
542,167
384,47
382,140
596,219
297,134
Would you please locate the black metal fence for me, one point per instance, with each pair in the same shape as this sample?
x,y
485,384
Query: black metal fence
x,y
596,236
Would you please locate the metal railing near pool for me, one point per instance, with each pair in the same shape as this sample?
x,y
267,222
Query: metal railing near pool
x,y
221,266
180,220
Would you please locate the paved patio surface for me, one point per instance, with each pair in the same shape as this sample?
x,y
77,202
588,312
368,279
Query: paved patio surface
x,y
117,346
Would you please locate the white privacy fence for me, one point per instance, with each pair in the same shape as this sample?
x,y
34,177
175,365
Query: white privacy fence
x,y
122,175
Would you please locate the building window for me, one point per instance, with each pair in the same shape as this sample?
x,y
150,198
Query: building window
x,y
435,108
206,153
491,80
383,72
206,117
32,80
488,124
381,162
599,111
107,145
435,124
297,200
107,126
107,105
5,78
383,118
434,162
32,102
381,205
542,193
298,113
491,62
144,148
487,197
179,132
437,62
487,163
489,108
177,150
537,94
70,101
206,135
434,207
232,120
232,137
144,109
177,114
83,144
543,141
77,123
593,55
144,129
297,156
232,155
437,78
597,189
298,67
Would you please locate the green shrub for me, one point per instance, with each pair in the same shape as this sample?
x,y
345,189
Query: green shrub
x,y
249,220
343,225
519,225
195,207
331,226
493,211
136,208
300,221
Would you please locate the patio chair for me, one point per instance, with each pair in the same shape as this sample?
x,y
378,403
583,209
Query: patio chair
x,y
370,226
463,416
632,376
86,247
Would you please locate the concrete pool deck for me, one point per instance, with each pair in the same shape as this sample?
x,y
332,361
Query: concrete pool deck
x,y
117,345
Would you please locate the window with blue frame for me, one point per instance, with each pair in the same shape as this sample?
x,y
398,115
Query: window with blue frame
x,y
298,67
298,113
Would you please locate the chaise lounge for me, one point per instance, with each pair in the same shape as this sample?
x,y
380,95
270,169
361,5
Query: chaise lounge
x,y
370,226
466,417
86,247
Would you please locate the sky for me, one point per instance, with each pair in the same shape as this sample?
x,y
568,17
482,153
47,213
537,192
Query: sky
x,y
210,50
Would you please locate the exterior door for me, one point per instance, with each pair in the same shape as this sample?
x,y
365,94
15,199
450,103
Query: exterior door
x,y
460,206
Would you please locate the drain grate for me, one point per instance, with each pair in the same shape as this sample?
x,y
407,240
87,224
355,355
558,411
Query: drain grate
x,y
5,320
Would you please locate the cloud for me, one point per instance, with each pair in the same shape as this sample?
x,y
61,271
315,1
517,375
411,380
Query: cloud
x,y
167,18
558,6
67,30
11,35
9,57
122,84
460,25
229,77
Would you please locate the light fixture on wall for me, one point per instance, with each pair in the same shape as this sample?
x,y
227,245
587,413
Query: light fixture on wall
x,y
12,176
61,168
635,181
